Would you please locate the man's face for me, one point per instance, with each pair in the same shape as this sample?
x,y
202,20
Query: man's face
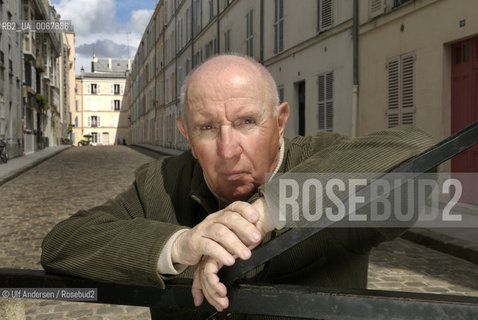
x,y
232,131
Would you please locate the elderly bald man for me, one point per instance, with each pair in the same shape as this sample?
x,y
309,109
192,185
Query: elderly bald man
x,y
205,208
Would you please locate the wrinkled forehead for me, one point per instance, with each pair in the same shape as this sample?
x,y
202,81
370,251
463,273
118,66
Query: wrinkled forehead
x,y
222,81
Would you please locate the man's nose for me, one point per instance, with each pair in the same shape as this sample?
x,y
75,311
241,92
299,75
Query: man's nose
x,y
228,143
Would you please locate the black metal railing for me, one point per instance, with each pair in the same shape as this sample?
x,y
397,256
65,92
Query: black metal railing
x,y
273,300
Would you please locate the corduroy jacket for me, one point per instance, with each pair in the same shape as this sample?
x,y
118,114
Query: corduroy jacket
x,y
121,240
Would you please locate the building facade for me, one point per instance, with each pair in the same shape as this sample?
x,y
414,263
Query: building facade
x,y
11,79
306,45
352,67
46,63
99,114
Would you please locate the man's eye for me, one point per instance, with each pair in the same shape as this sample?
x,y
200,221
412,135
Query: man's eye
x,y
248,121
206,127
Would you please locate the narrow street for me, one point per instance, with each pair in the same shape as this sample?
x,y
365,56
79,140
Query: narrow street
x,y
84,177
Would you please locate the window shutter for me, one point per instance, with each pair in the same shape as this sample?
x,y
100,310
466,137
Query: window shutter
x,y
112,105
89,121
99,133
329,107
98,88
121,89
112,89
393,92
321,102
89,88
401,90
325,14
326,101
408,89
98,121
377,7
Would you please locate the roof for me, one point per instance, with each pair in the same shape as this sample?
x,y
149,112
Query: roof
x,y
102,65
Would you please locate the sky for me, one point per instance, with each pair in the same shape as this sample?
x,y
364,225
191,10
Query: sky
x,y
106,28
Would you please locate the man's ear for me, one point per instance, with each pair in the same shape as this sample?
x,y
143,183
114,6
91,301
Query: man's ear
x,y
182,128
282,117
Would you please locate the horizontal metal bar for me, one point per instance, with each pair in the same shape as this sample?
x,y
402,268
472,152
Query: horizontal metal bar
x,y
411,169
274,300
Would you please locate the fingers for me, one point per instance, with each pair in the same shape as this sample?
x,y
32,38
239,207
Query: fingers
x,y
206,284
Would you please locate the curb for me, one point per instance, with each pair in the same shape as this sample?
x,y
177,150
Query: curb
x,y
16,173
158,149
443,243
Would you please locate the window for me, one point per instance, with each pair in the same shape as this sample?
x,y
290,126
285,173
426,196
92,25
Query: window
x,y
279,26
210,48
93,122
117,105
249,33
76,105
325,15
376,7
398,3
227,41
117,89
94,137
94,88
326,101
280,90
76,122
401,90
76,87
211,9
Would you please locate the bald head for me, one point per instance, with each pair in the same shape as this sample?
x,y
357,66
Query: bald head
x,y
228,69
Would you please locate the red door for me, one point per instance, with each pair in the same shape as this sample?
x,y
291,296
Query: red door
x,y
464,111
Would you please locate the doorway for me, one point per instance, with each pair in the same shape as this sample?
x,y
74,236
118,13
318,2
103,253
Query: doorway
x,y
300,89
464,111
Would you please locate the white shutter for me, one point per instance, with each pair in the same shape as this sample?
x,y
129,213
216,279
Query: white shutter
x,y
89,121
98,88
112,88
377,7
326,101
122,88
99,133
393,67
98,121
112,105
401,90
325,14
89,88
408,89
321,114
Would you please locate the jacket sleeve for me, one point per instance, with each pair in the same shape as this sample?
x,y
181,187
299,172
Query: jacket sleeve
x,y
368,156
113,242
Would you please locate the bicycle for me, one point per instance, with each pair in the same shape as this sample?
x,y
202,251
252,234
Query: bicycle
x,y
3,150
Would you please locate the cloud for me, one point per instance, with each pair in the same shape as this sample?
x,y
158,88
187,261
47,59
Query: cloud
x,y
97,32
88,16
139,20
104,48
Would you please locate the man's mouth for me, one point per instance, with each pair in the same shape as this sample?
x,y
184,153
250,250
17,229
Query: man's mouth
x,y
233,175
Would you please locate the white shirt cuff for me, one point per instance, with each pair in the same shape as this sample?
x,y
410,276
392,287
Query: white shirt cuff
x,y
165,262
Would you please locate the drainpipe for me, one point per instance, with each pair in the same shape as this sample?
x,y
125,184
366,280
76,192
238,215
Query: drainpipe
x,y
218,50
261,36
355,87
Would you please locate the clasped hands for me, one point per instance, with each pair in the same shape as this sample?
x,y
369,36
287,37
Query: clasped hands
x,y
218,241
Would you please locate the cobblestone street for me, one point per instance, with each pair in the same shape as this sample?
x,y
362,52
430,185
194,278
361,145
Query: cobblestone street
x,y
84,177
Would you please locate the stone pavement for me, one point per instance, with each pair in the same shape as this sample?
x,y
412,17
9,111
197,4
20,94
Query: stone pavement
x,y
84,177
